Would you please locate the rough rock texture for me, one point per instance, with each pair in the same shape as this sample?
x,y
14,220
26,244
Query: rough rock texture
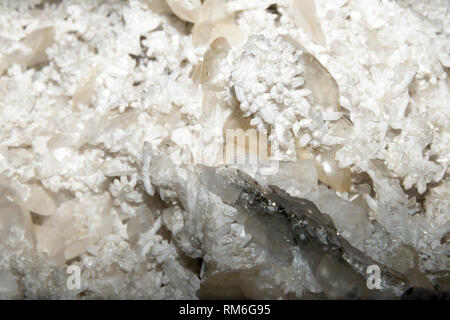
x,y
103,105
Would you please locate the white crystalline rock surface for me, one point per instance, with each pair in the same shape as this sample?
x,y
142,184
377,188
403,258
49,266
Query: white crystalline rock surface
x,y
100,102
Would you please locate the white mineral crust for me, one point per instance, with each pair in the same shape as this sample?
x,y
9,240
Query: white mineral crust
x,y
102,104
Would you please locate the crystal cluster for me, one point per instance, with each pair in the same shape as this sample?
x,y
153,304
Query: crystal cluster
x,y
101,103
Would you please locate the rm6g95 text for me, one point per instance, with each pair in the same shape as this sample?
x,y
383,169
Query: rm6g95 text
x,y
246,309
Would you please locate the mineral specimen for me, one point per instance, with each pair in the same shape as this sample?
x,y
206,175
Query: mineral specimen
x,y
113,140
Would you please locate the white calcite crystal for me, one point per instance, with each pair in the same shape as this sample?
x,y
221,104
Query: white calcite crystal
x,y
113,119
287,92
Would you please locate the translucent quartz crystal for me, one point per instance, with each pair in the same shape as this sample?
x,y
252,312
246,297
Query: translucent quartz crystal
x,y
297,177
14,217
39,201
211,20
329,172
186,10
64,235
85,91
305,17
36,43
323,87
143,221
32,197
